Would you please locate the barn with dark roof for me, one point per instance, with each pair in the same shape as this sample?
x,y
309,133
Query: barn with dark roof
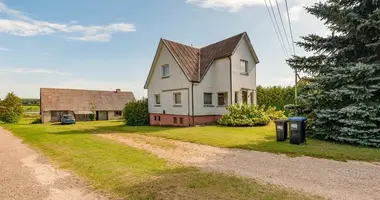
x,y
105,105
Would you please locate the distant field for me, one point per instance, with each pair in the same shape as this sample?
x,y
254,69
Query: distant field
x,y
31,108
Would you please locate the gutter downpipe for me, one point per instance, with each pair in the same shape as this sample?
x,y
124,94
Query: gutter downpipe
x,y
229,57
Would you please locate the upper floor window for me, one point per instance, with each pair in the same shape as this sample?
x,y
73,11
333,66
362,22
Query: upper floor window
x,y
207,99
165,71
222,99
177,99
157,99
244,67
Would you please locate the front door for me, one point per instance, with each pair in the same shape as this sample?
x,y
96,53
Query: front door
x,y
245,97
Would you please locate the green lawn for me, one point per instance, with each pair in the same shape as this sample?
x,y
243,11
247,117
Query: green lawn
x,y
256,138
31,108
129,173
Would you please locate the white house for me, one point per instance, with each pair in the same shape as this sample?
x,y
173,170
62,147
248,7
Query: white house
x,y
189,86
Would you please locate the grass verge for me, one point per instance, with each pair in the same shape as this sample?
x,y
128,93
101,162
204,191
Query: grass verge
x,y
129,173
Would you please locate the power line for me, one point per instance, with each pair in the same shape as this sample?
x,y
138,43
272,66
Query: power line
x,y
294,53
290,27
283,26
278,27
275,29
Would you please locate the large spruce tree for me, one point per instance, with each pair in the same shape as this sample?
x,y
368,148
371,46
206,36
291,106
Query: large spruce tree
x,y
345,66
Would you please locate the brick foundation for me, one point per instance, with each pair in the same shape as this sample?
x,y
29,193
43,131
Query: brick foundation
x,y
181,120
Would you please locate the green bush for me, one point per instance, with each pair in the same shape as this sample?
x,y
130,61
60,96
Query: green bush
x,y
245,115
275,96
274,114
92,117
11,109
37,121
136,113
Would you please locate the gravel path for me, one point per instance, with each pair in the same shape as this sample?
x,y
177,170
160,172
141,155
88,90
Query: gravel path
x,y
327,178
25,175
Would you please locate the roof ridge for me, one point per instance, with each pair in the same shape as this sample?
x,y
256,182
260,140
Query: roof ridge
x,y
85,90
180,43
225,39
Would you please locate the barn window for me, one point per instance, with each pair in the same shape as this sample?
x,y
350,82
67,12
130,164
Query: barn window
x,y
117,113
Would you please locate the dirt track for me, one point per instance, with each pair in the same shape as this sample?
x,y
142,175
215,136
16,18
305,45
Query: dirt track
x,y
326,178
25,175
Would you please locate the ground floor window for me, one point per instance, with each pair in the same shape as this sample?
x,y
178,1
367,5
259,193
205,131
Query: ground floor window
x,y
222,98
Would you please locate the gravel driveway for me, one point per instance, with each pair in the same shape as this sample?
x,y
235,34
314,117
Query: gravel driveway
x,y
25,175
327,178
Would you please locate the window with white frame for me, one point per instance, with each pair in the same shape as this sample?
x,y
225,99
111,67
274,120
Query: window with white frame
x,y
222,98
157,99
236,97
244,67
165,71
207,99
177,99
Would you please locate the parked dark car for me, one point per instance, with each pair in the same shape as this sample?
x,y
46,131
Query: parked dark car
x,y
67,119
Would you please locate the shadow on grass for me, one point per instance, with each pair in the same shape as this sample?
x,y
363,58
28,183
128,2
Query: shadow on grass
x,y
191,184
112,129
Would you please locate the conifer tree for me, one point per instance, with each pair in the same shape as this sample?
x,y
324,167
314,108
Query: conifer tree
x,y
344,92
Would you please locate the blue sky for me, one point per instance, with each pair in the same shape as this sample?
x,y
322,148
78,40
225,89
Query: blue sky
x,y
103,44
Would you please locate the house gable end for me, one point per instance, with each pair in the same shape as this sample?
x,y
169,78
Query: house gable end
x,y
160,48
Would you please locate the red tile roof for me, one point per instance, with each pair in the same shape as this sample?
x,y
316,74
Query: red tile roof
x,y
83,100
196,61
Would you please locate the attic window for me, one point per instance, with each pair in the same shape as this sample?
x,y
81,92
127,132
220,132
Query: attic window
x,y
165,71
244,67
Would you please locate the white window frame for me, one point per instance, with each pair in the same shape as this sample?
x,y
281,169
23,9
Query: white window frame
x,y
225,96
204,99
163,71
244,69
180,98
159,99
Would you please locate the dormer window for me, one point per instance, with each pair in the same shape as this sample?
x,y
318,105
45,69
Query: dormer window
x,y
165,71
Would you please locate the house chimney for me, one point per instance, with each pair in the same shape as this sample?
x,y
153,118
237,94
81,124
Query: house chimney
x,y
118,90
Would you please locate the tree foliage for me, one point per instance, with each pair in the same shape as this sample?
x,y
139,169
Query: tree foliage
x,y
344,94
275,96
11,109
136,113
245,115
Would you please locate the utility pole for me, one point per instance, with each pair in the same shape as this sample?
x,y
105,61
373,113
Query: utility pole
x,y
295,86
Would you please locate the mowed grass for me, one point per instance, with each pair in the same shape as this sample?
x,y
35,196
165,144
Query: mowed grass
x,y
128,173
256,138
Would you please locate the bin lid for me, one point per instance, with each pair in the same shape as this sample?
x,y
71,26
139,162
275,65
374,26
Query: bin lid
x,y
297,118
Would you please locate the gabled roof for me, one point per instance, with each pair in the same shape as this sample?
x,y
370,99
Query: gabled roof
x,y
54,99
195,62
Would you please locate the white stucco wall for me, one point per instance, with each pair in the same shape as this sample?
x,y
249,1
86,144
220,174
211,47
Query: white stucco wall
x,y
166,87
240,81
216,80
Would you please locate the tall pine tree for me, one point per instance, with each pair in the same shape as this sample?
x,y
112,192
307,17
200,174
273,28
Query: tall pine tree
x,y
345,66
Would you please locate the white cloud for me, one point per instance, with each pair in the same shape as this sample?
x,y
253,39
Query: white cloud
x,y
231,5
4,49
19,24
296,11
93,38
